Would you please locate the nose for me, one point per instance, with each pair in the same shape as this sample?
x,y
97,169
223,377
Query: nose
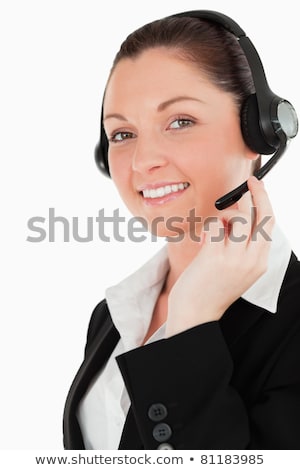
x,y
149,153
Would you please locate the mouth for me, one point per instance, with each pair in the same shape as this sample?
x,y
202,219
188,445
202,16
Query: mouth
x,y
163,193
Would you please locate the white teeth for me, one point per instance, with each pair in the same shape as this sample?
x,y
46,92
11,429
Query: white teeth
x,y
163,190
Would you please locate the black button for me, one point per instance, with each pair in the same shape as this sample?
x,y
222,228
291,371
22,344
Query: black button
x,y
157,412
165,446
162,432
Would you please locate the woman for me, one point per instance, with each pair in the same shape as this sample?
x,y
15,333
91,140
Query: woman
x,y
200,349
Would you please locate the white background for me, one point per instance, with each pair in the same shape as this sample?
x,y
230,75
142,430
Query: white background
x,y
55,58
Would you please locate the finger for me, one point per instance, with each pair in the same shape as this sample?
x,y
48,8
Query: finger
x,y
240,229
238,226
245,203
264,216
214,230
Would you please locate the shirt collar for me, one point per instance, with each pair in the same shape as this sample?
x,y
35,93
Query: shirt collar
x,y
131,302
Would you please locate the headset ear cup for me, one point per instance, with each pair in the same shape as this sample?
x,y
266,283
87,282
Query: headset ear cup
x,y
101,150
251,130
101,153
100,160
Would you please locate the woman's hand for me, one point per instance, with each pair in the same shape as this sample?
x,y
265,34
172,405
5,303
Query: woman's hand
x,y
233,254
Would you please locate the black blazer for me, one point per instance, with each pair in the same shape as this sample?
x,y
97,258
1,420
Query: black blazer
x,y
228,384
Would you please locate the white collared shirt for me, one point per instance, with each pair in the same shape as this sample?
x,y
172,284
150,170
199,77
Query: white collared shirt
x,y
103,409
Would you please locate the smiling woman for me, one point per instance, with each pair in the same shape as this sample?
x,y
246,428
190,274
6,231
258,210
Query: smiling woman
x,y
200,348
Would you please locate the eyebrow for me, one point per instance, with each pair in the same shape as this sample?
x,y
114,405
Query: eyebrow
x,y
115,116
161,107
165,104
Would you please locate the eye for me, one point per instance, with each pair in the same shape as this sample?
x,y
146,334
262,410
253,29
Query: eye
x,y
121,136
181,122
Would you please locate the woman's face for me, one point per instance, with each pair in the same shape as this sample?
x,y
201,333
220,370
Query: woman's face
x,y
175,143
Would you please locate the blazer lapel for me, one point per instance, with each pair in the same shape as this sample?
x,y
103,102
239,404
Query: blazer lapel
x,y
96,357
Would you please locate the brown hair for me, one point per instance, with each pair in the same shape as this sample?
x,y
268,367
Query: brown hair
x,y
204,43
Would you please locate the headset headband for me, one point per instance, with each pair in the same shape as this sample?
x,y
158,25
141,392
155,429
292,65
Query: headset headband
x,y
263,91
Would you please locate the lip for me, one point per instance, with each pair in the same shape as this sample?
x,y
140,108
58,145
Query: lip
x,y
158,201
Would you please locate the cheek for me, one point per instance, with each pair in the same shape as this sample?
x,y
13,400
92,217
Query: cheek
x,y
119,171
217,150
121,175
214,164
202,158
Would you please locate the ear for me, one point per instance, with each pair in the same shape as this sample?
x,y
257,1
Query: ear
x,y
250,154
256,164
254,157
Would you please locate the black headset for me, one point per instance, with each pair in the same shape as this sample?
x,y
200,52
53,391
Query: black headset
x,y
268,122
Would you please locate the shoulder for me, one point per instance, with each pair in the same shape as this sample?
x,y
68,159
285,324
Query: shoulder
x,y
286,321
290,288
